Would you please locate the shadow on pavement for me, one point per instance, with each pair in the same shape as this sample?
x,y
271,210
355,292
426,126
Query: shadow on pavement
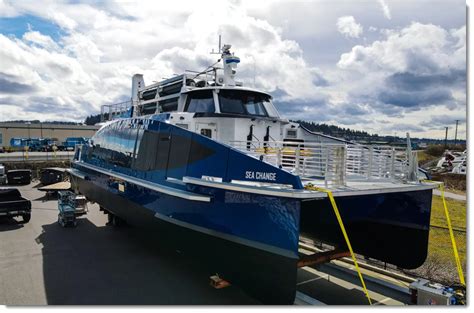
x,y
93,264
9,223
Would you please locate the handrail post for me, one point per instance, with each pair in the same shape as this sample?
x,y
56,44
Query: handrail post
x,y
344,165
297,160
326,167
278,151
393,164
371,152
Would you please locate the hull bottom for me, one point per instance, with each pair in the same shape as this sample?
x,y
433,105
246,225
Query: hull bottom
x,y
268,277
391,227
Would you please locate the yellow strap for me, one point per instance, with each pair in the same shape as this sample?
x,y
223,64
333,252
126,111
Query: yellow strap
x,y
451,233
343,229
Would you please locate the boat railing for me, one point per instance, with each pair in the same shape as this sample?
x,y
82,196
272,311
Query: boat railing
x,y
109,112
333,163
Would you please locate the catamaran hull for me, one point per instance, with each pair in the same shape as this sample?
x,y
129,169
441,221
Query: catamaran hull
x,y
267,276
391,227
252,240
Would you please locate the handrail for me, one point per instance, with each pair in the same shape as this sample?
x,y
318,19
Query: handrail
x,y
333,162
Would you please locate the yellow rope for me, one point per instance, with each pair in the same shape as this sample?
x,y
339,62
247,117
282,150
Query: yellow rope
x,y
346,237
451,233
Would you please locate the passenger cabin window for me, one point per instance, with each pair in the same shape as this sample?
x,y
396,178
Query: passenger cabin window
x,y
201,101
291,134
243,102
206,132
115,144
168,105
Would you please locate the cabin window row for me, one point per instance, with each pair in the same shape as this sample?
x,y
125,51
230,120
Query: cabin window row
x,y
144,150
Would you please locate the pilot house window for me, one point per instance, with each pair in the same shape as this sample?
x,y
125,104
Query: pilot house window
x,y
201,101
243,102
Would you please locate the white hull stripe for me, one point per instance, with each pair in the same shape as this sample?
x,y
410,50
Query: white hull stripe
x,y
303,194
285,193
143,183
236,239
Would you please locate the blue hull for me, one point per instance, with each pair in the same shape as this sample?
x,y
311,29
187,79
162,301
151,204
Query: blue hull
x,y
266,272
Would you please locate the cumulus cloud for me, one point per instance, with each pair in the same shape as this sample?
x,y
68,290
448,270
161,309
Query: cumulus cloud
x,y
348,26
400,72
385,9
420,65
102,47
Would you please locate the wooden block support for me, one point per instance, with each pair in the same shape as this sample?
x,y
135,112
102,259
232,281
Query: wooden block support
x,y
218,283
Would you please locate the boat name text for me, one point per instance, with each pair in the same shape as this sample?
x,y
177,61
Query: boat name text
x,y
260,175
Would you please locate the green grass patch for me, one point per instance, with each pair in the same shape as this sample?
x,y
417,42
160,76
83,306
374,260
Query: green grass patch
x,y
440,242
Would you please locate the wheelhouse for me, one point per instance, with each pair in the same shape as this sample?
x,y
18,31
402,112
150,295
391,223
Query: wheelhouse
x,y
236,101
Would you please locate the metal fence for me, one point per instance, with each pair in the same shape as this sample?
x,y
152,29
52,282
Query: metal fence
x,y
26,156
333,163
109,112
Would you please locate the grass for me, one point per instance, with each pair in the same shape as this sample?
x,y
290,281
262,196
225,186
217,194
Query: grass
x,y
440,265
440,242
424,157
457,212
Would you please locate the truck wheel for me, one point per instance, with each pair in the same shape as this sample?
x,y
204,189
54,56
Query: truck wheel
x,y
26,218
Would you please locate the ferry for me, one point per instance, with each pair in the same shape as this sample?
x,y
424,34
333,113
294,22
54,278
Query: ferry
x,y
210,163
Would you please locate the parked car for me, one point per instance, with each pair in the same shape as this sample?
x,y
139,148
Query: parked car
x,y
13,204
22,176
71,142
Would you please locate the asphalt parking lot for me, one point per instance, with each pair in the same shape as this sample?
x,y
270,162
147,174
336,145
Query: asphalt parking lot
x,y
43,263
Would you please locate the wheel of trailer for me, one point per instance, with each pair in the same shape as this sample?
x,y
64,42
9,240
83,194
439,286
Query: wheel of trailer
x,y
60,221
26,217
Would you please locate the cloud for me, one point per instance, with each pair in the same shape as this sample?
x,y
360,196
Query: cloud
x,y
437,121
102,47
9,86
79,55
40,39
418,66
385,9
347,26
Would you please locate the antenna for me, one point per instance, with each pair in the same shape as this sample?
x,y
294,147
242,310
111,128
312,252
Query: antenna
x,y
254,70
219,48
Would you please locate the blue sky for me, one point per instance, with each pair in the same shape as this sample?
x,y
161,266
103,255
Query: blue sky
x,y
376,65
18,25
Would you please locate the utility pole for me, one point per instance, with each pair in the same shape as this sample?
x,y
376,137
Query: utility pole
x,y
446,139
456,133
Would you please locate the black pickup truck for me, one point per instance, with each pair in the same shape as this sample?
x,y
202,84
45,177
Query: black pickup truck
x,y
13,204
19,177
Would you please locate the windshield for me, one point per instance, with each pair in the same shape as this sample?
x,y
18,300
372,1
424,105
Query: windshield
x,y
243,102
200,101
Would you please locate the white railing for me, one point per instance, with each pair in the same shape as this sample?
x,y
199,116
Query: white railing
x,y
109,112
333,163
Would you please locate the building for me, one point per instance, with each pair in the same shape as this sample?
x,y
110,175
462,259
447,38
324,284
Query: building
x,y
43,130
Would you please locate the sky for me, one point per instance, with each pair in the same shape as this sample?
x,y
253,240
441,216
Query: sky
x,y
382,66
